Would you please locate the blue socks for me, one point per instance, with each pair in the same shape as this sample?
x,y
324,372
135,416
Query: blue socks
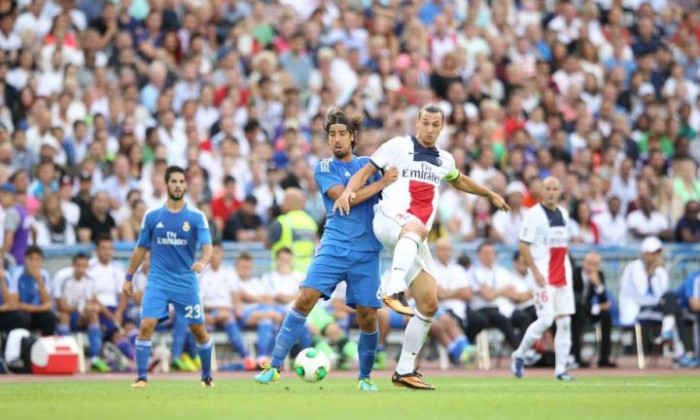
x,y
204,351
94,334
266,336
292,328
62,330
456,347
306,340
143,354
366,348
235,338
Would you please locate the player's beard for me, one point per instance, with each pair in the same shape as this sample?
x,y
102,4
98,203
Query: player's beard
x,y
340,153
172,196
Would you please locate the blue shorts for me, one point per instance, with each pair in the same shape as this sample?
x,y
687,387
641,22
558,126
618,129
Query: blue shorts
x,y
107,324
360,271
396,321
247,312
187,305
74,318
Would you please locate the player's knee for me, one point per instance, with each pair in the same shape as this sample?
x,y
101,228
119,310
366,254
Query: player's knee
x,y
416,228
428,307
306,301
199,331
225,315
367,319
147,327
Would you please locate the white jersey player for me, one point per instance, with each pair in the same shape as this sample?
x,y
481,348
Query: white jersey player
x,y
403,219
544,240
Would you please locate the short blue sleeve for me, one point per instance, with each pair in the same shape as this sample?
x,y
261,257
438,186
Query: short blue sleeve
x,y
203,232
144,240
694,286
325,177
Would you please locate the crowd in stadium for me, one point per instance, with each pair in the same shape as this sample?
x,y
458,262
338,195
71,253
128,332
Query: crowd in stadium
x,y
98,97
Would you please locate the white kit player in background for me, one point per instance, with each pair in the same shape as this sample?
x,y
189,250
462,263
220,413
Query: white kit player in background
x,y
544,240
403,218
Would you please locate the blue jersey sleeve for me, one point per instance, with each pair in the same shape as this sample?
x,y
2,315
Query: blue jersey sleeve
x,y
203,232
145,234
325,177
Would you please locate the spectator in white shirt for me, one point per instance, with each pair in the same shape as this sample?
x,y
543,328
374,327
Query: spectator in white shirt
x,y
109,277
175,140
612,224
569,75
624,184
453,293
644,294
645,222
118,185
484,170
9,40
566,24
522,279
506,226
284,280
257,309
32,20
490,282
218,297
79,308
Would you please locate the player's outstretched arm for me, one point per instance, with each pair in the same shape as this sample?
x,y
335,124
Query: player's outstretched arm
x,y
366,192
348,196
136,259
468,185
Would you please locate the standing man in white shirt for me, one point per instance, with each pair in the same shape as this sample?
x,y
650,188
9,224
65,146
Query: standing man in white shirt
x,y
644,294
612,224
544,241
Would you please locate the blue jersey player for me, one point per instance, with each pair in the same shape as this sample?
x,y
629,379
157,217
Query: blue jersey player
x,y
171,233
349,252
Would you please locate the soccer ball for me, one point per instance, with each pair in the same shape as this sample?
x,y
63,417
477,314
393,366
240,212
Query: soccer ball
x,y
311,365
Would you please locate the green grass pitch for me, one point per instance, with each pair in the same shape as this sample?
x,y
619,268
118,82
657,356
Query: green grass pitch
x,y
660,397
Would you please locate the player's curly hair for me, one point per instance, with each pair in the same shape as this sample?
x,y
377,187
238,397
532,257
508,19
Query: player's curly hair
x,y
336,116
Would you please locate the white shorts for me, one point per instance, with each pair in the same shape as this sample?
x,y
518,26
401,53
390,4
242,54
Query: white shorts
x,y
388,228
554,301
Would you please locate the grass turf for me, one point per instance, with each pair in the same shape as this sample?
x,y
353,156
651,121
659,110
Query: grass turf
x,y
636,398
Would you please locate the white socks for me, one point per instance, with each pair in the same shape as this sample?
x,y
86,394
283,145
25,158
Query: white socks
x,y
534,332
404,255
668,323
562,344
413,339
